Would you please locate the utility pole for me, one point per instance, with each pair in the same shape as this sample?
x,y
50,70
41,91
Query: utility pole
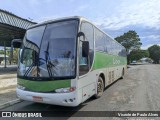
x,y
4,54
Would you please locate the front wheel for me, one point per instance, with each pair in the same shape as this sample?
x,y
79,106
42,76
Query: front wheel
x,y
100,87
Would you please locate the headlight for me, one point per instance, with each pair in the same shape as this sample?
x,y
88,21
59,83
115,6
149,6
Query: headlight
x,y
20,87
65,90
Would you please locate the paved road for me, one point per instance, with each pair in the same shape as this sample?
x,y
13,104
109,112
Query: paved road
x,y
8,69
8,81
138,91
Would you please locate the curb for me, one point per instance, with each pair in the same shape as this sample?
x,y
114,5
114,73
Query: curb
x,y
10,103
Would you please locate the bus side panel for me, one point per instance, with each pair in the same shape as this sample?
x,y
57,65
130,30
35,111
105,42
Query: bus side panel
x,y
88,91
87,84
112,64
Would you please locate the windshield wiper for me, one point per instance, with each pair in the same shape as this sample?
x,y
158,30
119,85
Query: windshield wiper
x,y
49,65
28,70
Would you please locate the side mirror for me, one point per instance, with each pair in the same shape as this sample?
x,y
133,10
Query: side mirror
x,y
16,43
85,49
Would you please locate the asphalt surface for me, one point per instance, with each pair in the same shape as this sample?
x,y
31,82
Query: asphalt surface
x,y
138,91
8,81
8,69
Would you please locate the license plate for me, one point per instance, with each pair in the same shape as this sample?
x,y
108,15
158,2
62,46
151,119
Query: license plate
x,y
37,99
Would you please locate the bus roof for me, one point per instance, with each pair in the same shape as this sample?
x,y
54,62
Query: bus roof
x,y
57,20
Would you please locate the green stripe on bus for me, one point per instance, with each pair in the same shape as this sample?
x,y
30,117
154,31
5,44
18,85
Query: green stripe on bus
x,y
103,60
44,86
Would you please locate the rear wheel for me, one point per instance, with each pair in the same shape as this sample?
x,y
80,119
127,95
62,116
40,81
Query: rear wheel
x,y
100,87
122,74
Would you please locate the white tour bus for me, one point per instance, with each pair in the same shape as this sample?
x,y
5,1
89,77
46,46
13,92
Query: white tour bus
x,y
66,61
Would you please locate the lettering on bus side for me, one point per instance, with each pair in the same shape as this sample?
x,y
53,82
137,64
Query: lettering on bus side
x,y
116,62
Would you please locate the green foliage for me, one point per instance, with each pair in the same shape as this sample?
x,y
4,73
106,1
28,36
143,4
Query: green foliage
x,y
15,55
138,54
155,53
1,52
130,40
1,59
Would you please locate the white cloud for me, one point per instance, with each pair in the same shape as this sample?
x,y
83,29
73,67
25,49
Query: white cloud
x,y
37,2
144,47
81,8
144,12
155,37
42,19
34,2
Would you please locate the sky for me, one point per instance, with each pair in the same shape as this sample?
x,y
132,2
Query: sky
x,y
112,16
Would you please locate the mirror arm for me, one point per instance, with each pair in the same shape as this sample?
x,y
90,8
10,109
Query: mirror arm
x,y
81,34
12,46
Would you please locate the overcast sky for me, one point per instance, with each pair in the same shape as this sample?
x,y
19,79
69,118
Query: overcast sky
x,y
113,16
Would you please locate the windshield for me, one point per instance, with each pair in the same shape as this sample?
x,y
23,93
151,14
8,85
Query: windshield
x,y
49,51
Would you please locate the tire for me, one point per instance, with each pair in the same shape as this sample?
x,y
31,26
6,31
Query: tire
x,y
122,74
100,88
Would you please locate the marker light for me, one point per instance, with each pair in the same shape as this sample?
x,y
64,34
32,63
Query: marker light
x,y
20,87
65,90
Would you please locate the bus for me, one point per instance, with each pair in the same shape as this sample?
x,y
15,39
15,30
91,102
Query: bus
x,y
66,61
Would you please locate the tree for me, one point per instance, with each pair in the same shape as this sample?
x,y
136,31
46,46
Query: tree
x,y
15,55
138,54
155,53
1,52
130,40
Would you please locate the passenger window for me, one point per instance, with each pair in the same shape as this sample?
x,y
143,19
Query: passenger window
x,y
99,40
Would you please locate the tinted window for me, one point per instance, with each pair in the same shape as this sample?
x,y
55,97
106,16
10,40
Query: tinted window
x,y
84,62
87,29
59,48
99,40
52,55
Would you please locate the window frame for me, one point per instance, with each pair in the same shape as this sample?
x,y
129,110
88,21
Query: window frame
x,y
78,65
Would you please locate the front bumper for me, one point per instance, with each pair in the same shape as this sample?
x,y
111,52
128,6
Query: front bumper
x,y
62,99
